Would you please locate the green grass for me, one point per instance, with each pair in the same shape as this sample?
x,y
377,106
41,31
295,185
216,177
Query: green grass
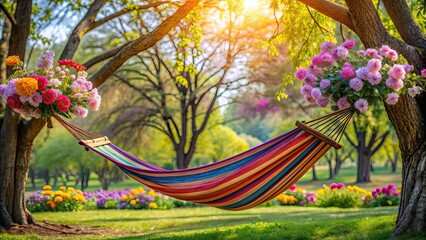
x,y
258,223
381,177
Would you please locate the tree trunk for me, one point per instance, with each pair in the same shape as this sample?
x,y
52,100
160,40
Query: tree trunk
x,y
314,174
363,173
330,170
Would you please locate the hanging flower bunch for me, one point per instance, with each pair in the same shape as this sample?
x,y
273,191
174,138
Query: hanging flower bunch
x,y
342,78
49,90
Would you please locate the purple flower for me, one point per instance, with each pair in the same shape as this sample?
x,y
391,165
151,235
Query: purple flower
x,y
349,44
325,83
394,84
327,46
356,84
311,79
392,98
340,53
374,79
316,93
314,69
347,73
361,105
46,60
407,67
323,101
362,73
306,90
342,103
10,88
2,89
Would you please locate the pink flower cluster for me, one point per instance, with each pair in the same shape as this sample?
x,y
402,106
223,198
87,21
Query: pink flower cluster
x,y
337,185
357,80
58,91
389,190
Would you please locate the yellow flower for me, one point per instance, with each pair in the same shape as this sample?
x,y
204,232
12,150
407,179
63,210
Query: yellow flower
x,y
26,86
135,192
299,190
79,192
58,199
59,193
75,198
141,190
71,189
82,198
124,198
133,202
66,195
320,191
153,205
326,189
62,188
47,192
12,60
130,196
47,187
152,193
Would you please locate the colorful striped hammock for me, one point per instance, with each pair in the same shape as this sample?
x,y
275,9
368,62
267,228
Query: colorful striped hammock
x,y
239,182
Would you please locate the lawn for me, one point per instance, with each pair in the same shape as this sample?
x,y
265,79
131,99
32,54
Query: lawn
x,y
259,223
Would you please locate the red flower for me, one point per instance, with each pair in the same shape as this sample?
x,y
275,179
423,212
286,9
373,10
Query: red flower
x,y
66,62
42,82
14,102
79,67
292,188
49,97
63,103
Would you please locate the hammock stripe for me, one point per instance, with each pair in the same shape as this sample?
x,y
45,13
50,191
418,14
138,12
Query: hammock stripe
x,y
239,182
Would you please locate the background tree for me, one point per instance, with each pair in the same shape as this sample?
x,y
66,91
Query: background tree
x,y
362,17
17,134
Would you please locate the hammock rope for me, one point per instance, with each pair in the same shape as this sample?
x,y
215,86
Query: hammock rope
x,y
239,182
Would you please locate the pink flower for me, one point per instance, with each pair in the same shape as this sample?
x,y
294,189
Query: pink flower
x,y
423,73
42,82
309,99
394,84
374,79
356,84
397,72
316,93
392,98
413,91
49,96
326,59
80,111
325,83
384,49
306,90
94,100
340,53
347,73
349,44
370,52
314,69
323,101
301,73
392,55
343,103
362,73
293,187
316,60
361,105
327,46
360,52
333,185
374,65
340,185
63,103
35,99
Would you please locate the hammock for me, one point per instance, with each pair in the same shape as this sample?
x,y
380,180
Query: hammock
x,y
239,182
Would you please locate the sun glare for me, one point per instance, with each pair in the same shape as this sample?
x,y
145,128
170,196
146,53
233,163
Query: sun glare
x,y
251,4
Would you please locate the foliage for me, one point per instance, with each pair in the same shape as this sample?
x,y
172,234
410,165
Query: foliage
x,y
49,90
364,79
65,199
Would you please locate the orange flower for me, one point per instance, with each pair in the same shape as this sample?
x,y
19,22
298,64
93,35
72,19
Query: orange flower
x,y
47,187
79,192
153,205
26,86
47,192
62,188
75,198
66,195
82,198
71,189
133,202
58,199
12,60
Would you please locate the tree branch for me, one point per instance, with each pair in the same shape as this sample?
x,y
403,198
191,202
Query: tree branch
x,y
332,10
8,15
111,53
142,43
403,20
